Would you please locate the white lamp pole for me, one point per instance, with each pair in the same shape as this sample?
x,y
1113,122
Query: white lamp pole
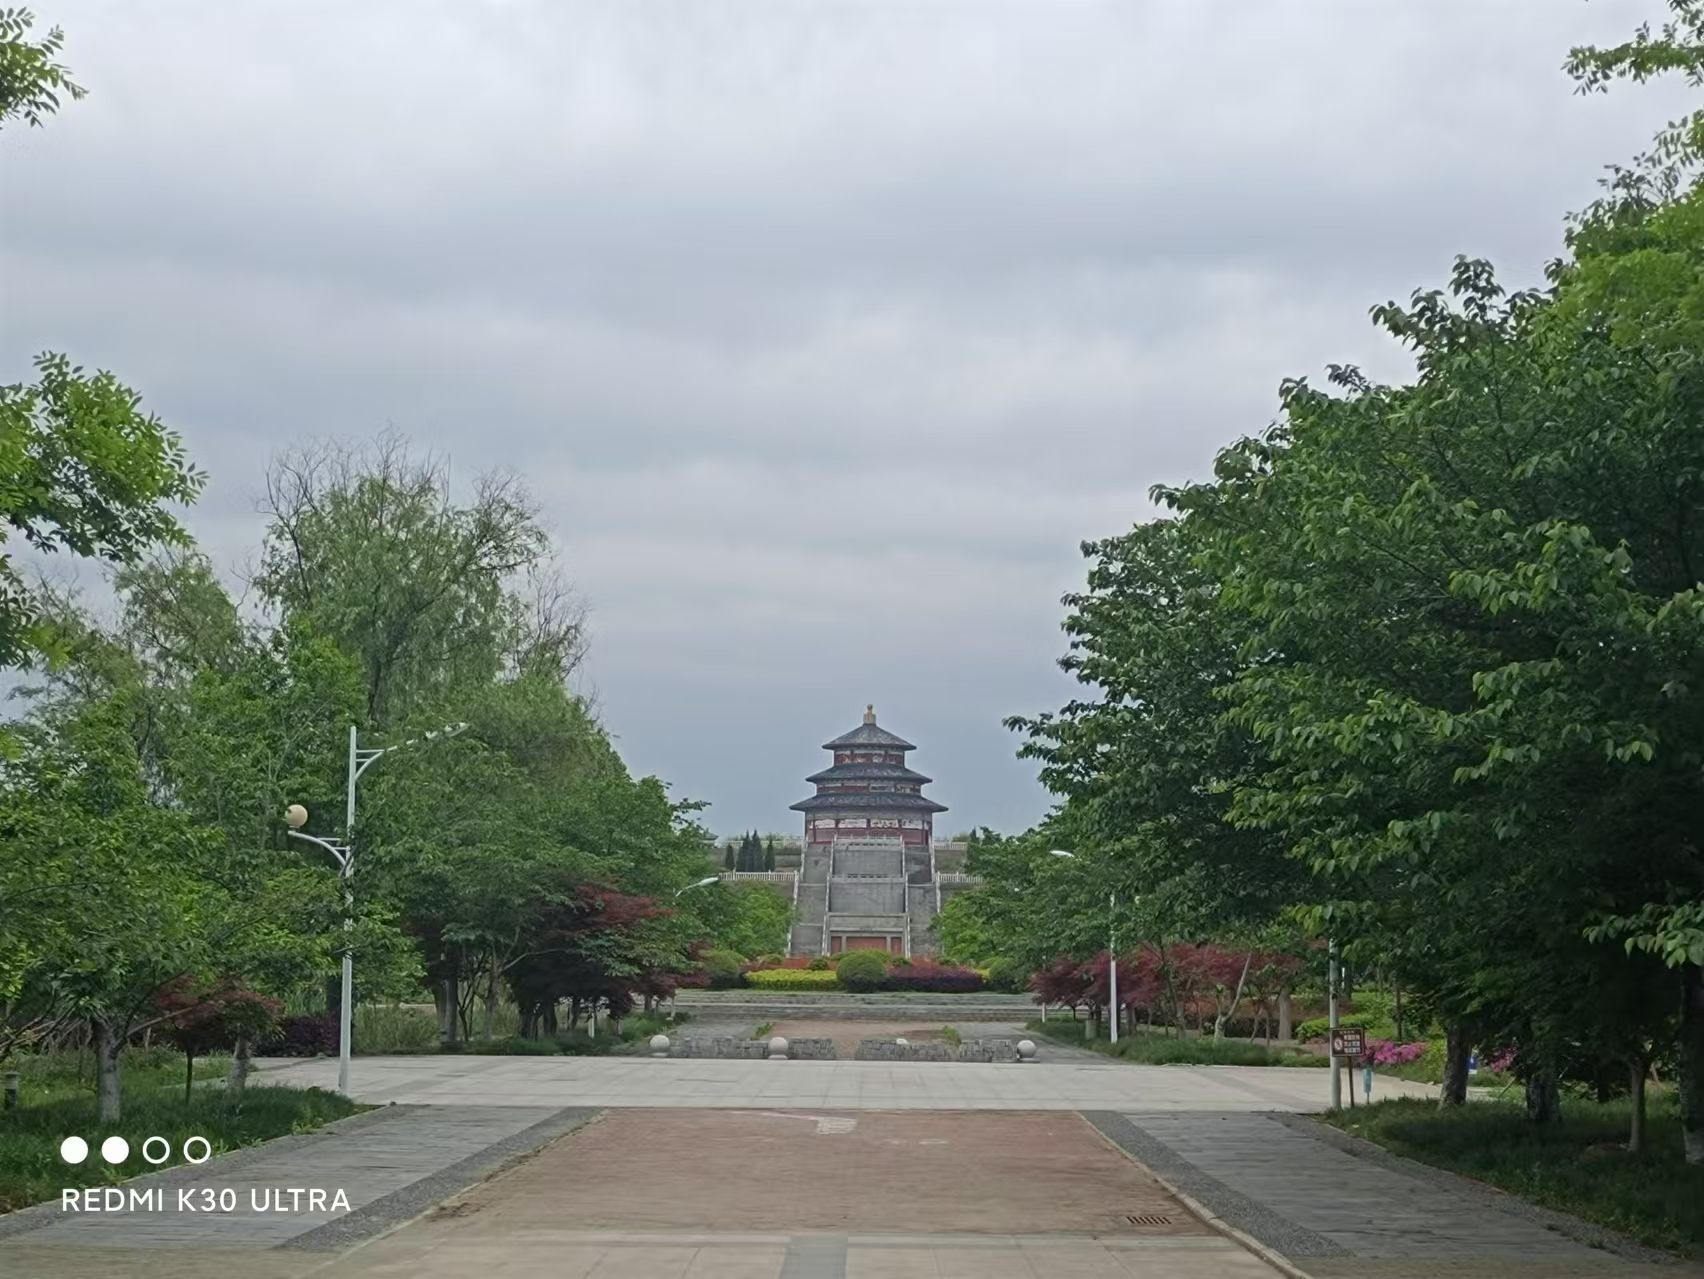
x,y
703,883
360,760
1112,947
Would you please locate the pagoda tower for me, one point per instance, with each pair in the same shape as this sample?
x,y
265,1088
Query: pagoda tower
x,y
869,792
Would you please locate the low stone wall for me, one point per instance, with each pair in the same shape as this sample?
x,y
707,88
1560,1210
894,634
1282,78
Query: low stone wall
x,y
988,1050
811,1049
721,1046
889,1050
727,1046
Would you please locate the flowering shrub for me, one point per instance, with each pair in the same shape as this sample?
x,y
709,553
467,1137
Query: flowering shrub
x,y
1386,1053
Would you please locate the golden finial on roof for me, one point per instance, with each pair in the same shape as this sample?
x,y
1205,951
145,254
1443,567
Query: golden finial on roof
x,y
870,713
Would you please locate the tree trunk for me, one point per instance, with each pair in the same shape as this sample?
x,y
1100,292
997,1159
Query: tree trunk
x,y
1401,1029
1636,1096
1603,1085
1236,998
108,1046
1543,1101
1286,1024
452,1008
441,997
188,1076
490,1003
1454,1091
1692,1063
241,1054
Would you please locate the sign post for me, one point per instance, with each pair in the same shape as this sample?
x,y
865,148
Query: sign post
x,y
1347,1042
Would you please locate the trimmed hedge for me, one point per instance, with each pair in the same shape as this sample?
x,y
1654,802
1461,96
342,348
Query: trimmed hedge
x,y
863,970
792,979
868,970
930,977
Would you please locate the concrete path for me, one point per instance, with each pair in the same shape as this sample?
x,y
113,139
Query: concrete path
x,y
845,1085
388,1164
614,1255
1335,1209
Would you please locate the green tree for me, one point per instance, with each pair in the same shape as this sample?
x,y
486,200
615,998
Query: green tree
x,y
30,80
84,470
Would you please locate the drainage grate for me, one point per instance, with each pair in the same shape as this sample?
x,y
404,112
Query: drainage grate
x,y
1147,1219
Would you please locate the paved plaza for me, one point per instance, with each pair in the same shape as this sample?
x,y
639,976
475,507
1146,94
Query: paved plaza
x,y
604,1168
845,1085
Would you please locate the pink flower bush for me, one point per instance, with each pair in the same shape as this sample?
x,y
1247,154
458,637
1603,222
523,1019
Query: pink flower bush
x,y
1386,1053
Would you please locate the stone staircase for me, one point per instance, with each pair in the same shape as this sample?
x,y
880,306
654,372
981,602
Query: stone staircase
x,y
872,882
920,910
807,923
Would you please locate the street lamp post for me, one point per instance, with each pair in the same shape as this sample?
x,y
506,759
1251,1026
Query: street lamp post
x,y
703,883
1112,947
361,758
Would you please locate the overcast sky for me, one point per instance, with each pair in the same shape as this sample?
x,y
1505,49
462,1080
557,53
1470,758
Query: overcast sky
x,y
822,332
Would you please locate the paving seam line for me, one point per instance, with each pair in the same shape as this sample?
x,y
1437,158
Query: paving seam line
x,y
48,1212
408,1204
1206,1215
1479,1193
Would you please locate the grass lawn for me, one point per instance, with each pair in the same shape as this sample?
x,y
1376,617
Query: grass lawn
x,y
1151,1049
59,1102
1579,1166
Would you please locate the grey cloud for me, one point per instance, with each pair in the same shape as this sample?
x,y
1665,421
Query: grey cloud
x,y
823,333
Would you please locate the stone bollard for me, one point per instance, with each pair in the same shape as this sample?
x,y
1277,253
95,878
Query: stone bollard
x,y
12,1078
778,1049
1026,1050
659,1045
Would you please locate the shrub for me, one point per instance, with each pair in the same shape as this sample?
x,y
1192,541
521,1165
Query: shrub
x,y
863,969
1385,1053
772,960
931,977
723,969
395,1028
310,1036
1007,975
791,979
1320,1027
819,964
